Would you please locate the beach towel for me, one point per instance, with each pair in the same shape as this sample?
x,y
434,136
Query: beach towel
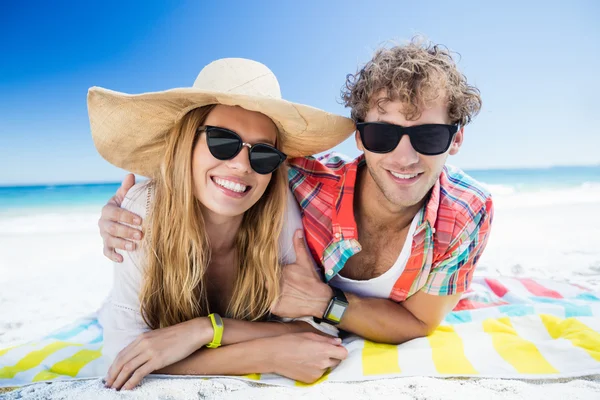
x,y
501,328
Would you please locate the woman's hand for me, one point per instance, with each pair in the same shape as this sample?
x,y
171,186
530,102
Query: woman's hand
x,y
304,357
157,349
117,224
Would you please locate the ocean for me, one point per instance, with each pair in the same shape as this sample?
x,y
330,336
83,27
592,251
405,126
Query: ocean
x,y
543,182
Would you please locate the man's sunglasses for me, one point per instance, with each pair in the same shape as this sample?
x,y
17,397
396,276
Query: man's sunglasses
x,y
429,139
224,144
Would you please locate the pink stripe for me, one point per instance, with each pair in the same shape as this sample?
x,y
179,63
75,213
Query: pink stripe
x,y
466,304
538,290
499,289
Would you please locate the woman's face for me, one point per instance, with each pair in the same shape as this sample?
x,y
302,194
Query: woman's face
x,y
230,187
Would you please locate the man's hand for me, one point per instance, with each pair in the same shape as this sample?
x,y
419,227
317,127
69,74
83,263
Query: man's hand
x,y
157,349
114,233
303,293
304,357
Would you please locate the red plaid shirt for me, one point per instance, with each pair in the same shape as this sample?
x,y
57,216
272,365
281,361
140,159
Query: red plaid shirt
x,y
452,231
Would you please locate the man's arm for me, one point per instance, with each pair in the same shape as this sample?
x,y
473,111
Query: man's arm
x,y
383,320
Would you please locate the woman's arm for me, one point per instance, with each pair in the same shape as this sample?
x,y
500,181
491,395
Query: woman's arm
x,y
301,356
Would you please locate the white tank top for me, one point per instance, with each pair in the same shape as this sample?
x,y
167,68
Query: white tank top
x,y
382,285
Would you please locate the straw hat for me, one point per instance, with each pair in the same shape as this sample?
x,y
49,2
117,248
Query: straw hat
x,y
123,124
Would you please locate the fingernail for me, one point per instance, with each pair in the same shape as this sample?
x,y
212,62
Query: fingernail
x,y
129,246
137,221
137,235
300,234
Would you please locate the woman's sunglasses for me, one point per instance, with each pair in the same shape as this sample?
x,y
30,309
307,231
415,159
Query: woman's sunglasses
x,y
429,139
224,144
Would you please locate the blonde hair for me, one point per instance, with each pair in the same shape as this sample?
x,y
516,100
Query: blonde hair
x,y
178,248
414,74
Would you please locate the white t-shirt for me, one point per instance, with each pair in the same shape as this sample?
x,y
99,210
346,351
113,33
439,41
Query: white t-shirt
x,y
120,314
382,285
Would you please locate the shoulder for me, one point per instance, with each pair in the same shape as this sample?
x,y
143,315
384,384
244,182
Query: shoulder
x,y
138,198
462,194
331,163
465,206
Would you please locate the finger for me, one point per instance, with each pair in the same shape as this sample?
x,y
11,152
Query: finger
x,y
118,230
323,339
138,375
127,184
302,252
113,243
112,211
338,352
113,255
127,354
334,362
128,370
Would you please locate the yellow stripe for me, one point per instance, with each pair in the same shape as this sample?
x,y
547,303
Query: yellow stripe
x,y
254,377
380,359
72,365
448,352
577,332
321,379
3,352
518,352
32,359
45,376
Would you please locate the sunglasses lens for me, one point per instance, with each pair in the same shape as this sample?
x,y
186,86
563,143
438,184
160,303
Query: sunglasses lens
x,y
379,138
265,159
222,144
431,140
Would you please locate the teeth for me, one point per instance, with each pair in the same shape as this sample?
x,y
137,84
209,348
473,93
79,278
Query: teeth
x,y
233,186
403,176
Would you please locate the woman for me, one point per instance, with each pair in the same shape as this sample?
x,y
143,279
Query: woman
x,y
215,237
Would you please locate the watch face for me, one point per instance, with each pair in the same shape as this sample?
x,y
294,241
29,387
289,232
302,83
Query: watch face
x,y
218,320
337,311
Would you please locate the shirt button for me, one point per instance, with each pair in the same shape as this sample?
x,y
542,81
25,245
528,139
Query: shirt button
x,y
337,235
432,230
330,272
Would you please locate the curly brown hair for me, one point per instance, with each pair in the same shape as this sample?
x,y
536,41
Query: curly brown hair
x,y
414,74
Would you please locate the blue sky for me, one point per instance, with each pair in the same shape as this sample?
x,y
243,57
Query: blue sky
x,y
535,62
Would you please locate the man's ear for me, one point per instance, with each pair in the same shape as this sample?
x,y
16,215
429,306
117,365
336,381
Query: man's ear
x,y
359,143
457,141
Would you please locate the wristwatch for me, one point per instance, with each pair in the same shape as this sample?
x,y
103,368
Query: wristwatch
x,y
217,324
336,308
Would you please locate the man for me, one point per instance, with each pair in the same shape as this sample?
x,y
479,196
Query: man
x,y
397,232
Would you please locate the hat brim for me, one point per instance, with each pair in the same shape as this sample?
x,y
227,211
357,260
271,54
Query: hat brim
x,y
123,125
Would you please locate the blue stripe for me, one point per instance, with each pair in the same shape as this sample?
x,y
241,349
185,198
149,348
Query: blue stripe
x,y
75,331
98,339
587,296
517,310
571,309
459,317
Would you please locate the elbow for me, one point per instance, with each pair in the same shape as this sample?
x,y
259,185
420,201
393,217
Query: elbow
x,y
420,330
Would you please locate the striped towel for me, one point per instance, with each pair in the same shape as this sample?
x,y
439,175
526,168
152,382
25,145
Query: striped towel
x,y
501,328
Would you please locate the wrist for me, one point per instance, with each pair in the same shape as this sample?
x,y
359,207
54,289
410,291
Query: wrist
x,y
322,301
265,355
203,331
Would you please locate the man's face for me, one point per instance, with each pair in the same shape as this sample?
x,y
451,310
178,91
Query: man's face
x,y
404,176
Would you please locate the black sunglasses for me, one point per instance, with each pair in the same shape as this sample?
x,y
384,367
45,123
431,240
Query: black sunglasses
x,y
224,144
429,139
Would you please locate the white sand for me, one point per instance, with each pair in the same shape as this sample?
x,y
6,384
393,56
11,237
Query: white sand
x,y
52,271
